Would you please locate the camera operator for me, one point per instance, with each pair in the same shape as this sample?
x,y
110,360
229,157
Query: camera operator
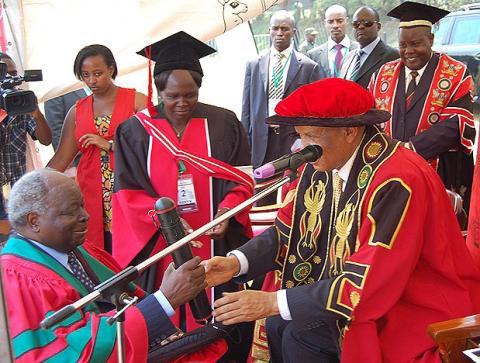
x,y
13,139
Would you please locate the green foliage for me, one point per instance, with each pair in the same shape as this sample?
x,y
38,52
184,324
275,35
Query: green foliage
x,y
313,12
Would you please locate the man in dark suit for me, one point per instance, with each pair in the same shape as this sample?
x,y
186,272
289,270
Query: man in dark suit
x,y
330,54
268,79
360,64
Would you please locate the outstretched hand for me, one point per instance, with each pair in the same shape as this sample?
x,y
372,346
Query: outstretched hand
x,y
219,270
184,283
246,305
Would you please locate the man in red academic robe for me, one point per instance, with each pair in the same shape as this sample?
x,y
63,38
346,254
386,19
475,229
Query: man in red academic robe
x,y
45,267
429,97
364,269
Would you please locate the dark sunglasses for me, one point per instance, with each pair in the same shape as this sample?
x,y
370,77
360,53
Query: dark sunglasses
x,y
365,23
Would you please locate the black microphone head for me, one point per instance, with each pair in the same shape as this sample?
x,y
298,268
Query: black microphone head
x,y
164,205
316,152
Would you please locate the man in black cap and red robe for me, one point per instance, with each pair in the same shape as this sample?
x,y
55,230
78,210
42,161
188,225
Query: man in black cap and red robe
x,y
430,98
364,269
184,150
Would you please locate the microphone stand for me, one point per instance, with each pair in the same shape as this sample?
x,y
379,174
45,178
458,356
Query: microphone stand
x,y
115,287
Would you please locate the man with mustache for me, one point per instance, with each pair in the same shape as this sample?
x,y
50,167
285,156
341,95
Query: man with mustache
x,y
430,98
360,64
330,54
364,269
45,267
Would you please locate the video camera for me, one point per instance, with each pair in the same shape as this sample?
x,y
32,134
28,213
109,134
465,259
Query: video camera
x,y
17,101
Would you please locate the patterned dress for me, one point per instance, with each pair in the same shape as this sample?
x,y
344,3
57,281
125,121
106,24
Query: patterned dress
x,y
102,124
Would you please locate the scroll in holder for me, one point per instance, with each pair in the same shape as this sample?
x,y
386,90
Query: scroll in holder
x,y
172,230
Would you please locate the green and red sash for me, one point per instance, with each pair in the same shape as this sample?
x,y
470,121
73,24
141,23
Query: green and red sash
x,y
40,285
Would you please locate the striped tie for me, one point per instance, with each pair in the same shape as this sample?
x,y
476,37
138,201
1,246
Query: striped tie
x,y
276,80
411,89
79,272
356,65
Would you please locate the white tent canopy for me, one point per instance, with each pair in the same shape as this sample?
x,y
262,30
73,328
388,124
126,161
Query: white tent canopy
x,y
48,33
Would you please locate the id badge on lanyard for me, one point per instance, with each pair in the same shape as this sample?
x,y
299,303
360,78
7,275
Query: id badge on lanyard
x,y
187,201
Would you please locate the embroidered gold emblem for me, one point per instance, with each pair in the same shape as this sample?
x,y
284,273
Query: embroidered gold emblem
x,y
438,98
384,86
339,250
444,84
317,260
382,103
388,70
310,280
373,149
364,176
289,284
292,259
301,271
433,118
354,298
451,68
310,222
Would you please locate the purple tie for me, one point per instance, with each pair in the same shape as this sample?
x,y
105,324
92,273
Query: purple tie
x,y
338,60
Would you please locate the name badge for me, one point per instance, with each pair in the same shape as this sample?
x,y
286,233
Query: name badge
x,y
187,202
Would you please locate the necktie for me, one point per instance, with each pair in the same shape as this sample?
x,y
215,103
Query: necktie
x,y
276,79
337,190
79,272
411,88
338,60
356,65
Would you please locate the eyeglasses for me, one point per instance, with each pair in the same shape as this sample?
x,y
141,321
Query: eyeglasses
x,y
365,23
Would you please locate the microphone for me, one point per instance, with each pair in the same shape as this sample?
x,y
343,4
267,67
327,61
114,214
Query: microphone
x,y
172,230
291,161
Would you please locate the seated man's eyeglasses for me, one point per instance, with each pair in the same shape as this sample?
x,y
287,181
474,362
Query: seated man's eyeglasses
x,y
365,23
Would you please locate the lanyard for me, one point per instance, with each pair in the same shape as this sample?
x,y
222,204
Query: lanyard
x,y
181,165
276,78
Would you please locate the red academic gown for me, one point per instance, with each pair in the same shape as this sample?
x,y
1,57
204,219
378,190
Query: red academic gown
x,y
439,119
391,262
89,175
35,285
148,156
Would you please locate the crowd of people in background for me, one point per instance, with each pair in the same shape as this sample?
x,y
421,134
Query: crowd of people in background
x,y
357,237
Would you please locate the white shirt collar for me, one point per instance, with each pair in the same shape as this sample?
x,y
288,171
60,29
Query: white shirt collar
x,y
345,42
370,47
344,171
286,52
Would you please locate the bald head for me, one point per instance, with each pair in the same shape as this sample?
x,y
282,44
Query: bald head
x,y
282,29
337,9
366,25
283,15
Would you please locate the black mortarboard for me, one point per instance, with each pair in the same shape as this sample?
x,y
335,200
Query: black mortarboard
x,y
413,14
178,51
